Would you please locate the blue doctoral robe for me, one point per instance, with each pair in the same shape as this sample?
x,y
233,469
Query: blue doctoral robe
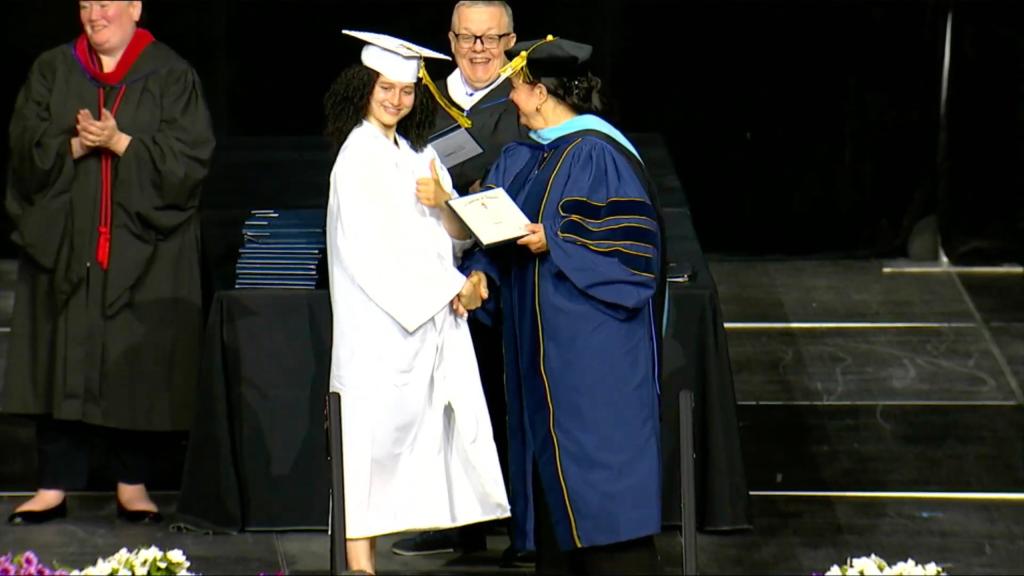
x,y
580,345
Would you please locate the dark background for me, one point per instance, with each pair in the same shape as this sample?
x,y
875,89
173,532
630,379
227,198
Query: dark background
x,y
797,127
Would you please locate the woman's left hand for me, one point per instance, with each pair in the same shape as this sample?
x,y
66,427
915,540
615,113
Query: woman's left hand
x,y
429,191
535,240
102,133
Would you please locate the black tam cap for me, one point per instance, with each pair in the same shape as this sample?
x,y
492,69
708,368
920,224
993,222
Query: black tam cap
x,y
550,57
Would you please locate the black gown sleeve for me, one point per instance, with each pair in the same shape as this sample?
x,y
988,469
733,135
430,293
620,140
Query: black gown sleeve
x,y
41,170
164,168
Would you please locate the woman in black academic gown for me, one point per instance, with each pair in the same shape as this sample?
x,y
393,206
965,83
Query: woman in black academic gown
x,y
110,141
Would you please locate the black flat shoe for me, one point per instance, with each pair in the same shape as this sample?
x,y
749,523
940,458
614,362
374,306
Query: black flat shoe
x,y
513,558
39,516
138,516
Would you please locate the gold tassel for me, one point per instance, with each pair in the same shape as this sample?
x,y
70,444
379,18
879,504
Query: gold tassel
x,y
518,64
456,114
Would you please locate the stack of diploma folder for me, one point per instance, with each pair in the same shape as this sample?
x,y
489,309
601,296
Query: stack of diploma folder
x,y
281,249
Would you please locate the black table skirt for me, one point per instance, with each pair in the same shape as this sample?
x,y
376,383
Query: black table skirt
x,y
257,451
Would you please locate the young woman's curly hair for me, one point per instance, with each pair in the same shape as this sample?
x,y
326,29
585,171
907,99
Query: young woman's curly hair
x,y
348,99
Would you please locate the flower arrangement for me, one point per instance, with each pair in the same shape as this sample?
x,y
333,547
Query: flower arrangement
x,y
150,560
875,565
26,563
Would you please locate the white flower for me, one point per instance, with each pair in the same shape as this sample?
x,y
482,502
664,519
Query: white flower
x,y
870,565
138,562
176,556
102,568
908,566
120,557
147,555
875,565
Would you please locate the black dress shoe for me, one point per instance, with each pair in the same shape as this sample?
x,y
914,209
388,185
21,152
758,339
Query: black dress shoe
x,y
432,542
39,516
464,539
139,516
514,558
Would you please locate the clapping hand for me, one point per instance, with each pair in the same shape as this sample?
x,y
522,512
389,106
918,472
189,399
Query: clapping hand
x,y
95,133
429,191
472,295
102,133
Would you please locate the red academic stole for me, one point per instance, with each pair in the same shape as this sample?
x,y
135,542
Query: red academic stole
x,y
91,63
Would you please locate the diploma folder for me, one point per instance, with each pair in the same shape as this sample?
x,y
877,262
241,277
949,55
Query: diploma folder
x,y
491,216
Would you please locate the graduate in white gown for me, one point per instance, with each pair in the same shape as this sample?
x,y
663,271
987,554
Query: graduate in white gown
x,y
419,452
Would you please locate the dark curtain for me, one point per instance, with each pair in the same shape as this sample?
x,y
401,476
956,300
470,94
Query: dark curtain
x,y
981,209
797,127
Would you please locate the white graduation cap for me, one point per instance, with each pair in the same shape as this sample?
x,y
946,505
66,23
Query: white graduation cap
x,y
394,58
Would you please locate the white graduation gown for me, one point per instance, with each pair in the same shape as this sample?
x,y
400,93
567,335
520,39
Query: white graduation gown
x,y
418,448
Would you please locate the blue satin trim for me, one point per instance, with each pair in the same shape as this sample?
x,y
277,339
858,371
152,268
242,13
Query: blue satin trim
x,y
578,123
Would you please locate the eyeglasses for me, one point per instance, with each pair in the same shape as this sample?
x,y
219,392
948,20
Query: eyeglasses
x,y
488,40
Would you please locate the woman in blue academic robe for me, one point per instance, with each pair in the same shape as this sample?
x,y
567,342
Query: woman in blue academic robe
x,y
579,325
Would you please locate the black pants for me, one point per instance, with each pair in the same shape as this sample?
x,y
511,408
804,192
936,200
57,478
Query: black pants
x,y
64,449
637,556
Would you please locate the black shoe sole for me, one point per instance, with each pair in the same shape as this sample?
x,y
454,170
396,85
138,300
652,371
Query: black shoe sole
x,y
39,516
401,552
138,516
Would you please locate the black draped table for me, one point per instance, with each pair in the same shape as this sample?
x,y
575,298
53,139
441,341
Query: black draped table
x,y
257,450
695,357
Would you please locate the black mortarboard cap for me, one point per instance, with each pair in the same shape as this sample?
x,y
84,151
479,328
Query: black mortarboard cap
x,y
550,57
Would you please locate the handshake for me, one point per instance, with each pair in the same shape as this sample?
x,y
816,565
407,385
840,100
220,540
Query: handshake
x,y
472,295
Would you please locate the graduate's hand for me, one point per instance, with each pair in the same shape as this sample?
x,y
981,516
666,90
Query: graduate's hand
x,y
535,240
458,308
474,187
429,191
477,281
472,295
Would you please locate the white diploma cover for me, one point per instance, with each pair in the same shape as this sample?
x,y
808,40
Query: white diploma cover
x,y
491,216
454,145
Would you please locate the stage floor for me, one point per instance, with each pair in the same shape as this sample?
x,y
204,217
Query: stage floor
x,y
880,411
792,535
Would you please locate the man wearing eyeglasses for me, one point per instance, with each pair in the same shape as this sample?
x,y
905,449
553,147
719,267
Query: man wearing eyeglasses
x,y
480,33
